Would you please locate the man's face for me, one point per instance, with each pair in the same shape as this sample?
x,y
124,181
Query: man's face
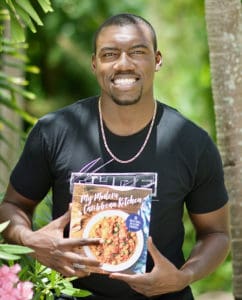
x,y
125,63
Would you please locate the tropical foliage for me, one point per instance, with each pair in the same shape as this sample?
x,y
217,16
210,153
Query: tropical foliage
x,y
14,16
22,14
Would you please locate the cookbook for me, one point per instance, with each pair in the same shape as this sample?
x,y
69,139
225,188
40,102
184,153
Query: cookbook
x,y
120,216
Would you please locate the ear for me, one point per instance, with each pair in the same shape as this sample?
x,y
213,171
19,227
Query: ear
x,y
94,63
159,60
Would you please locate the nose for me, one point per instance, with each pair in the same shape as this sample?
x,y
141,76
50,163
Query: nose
x,y
124,62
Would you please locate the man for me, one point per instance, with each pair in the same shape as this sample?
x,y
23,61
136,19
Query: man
x,y
124,130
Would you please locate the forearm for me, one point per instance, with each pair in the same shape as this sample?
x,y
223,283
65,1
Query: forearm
x,y
208,253
19,226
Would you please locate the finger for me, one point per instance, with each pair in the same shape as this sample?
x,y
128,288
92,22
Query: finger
x,y
157,257
81,270
82,274
75,242
90,241
79,266
89,262
73,271
72,258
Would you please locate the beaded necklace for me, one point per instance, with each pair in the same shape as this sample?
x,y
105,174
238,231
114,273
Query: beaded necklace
x,y
142,146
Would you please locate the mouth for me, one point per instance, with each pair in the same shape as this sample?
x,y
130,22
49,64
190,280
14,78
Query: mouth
x,y
124,80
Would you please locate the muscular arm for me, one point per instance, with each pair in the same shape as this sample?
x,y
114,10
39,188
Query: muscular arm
x,y
19,210
212,243
210,250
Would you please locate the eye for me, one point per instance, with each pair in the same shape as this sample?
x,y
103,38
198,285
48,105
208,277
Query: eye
x,y
108,54
137,52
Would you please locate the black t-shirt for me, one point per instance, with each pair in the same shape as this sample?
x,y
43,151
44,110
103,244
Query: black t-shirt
x,y
186,160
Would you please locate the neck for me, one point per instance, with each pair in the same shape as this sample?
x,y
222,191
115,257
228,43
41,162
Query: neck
x,y
112,155
126,120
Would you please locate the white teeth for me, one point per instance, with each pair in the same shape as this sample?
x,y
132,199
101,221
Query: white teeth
x,y
124,81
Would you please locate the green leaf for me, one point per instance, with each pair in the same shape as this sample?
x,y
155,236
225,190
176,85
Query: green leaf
x,y
8,256
18,90
50,297
21,112
11,79
15,249
14,50
46,5
26,18
17,31
26,5
32,69
4,225
37,296
42,215
11,6
76,292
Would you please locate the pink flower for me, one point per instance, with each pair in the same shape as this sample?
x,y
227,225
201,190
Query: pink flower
x,y
25,290
8,274
11,288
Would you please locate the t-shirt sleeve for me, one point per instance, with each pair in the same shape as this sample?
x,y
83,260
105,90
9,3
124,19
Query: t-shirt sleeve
x,y
31,176
209,191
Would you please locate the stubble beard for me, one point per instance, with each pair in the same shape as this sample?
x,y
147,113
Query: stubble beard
x,y
123,102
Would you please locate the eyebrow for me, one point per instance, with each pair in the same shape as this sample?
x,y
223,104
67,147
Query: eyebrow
x,y
108,49
139,46
115,48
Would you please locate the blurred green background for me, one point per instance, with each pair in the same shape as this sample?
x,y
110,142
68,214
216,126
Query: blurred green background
x,y
62,49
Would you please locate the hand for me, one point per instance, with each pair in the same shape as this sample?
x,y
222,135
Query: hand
x,y
58,253
164,277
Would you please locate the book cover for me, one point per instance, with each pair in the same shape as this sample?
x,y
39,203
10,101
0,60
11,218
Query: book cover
x,y
120,215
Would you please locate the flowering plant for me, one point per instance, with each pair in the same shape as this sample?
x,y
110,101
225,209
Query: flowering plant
x,y
38,282
29,280
11,287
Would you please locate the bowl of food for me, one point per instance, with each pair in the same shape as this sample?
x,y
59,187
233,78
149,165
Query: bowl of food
x,y
121,248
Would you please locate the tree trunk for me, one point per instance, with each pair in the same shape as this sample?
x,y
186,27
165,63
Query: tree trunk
x,y
224,28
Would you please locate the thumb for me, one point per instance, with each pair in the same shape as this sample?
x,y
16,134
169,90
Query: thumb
x,y
63,220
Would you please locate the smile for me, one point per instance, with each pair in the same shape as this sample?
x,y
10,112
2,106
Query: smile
x,y
124,81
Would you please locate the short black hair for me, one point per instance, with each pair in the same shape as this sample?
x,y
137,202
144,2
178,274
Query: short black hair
x,y
124,19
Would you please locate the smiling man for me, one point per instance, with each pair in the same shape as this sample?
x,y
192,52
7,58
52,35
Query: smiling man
x,y
124,63
125,131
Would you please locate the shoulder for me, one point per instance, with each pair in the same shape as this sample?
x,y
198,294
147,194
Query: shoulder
x,y
70,113
69,117
175,120
64,122
183,138
182,130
